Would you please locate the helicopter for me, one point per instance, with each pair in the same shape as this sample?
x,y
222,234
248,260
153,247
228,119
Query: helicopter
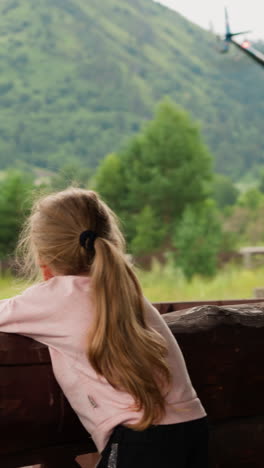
x,y
245,46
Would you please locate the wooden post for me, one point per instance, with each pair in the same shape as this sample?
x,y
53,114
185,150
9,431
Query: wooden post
x,y
247,253
247,260
259,293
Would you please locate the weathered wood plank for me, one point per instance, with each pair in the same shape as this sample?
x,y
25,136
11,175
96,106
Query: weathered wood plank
x,y
166,307
207,317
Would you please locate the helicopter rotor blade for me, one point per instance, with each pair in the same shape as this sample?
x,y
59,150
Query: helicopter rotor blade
x,y
238,33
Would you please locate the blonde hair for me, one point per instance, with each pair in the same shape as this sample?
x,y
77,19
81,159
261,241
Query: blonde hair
x,y
121,346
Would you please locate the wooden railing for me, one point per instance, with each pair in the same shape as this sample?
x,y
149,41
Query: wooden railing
x,y
223,346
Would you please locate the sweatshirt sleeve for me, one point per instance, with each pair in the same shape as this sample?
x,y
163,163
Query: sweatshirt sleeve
x,y
33,313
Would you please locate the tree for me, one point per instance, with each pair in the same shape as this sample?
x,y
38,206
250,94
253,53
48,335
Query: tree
x,y
197,240
165,167
14,205
225,192
149,232
251,199
261,181
71,173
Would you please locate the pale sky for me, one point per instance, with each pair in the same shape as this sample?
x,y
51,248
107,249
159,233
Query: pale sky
x,y
243,14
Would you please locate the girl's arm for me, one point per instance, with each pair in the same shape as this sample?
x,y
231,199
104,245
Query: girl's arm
x,y
35,313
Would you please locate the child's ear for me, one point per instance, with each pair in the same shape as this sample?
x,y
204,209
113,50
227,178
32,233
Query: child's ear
x,y
46,272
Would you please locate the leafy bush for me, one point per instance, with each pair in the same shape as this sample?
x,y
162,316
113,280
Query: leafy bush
x,y
197,240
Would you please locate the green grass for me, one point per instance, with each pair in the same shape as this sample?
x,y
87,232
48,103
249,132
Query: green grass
x,y
168,284
10,287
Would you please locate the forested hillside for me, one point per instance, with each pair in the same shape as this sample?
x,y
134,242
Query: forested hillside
x,y
77,77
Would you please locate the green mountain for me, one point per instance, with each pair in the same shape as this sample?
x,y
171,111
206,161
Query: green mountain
x,y
78,77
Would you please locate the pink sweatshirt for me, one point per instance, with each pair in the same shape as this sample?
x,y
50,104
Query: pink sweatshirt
x,y
59,313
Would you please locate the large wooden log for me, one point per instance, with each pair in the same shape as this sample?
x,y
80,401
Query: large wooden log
x,y
223,347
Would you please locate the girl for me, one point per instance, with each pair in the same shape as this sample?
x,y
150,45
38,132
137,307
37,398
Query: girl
x,y
112,353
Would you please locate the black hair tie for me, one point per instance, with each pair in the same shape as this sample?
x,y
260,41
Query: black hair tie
x,y
84,236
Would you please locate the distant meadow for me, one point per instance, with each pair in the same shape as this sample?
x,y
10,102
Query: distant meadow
x,y
165,283
231,282
10,286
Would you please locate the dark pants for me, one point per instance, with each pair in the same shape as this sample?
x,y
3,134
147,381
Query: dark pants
x,y
182,445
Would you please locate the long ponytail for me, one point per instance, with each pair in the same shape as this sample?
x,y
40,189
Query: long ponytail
x,y
122,348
